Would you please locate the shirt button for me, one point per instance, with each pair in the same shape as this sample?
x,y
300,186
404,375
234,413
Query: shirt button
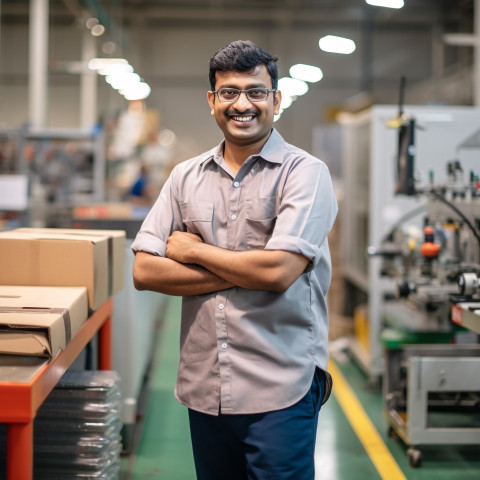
x,y
224,345
233,217
236,184
221,306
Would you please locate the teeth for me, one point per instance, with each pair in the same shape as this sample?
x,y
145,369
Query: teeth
x,y
243,119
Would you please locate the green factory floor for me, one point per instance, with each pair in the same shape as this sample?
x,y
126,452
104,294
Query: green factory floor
x,y
164,451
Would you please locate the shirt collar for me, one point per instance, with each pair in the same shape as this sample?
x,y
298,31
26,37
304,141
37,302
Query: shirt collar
x,y
272,151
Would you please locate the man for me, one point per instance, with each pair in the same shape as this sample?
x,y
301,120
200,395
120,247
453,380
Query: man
x,y
241,233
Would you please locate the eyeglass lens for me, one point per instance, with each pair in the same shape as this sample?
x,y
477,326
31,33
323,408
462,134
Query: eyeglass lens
x,y
253,94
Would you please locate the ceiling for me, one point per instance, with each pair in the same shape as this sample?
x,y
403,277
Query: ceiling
x,y
452,15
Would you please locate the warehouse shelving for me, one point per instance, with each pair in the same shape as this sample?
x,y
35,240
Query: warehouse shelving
x,y
25,383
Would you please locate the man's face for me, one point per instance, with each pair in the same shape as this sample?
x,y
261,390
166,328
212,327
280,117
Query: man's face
x,y
244,122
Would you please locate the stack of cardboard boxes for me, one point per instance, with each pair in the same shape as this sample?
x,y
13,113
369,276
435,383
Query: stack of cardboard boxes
x,y
50,280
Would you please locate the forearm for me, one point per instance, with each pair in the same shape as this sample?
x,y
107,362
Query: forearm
x,y
273,270
255,270
167,276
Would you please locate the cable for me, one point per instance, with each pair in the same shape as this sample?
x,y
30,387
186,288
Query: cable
x,y
440,197
407,216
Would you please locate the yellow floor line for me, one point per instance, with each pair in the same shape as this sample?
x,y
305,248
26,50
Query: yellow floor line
x,y
363,427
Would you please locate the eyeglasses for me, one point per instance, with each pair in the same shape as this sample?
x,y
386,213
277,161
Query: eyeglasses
x,y
230,95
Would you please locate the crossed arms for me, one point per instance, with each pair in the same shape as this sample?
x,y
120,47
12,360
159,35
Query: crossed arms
x,y
192,267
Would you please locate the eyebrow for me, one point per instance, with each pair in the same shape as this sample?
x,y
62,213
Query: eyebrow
x,y
253,85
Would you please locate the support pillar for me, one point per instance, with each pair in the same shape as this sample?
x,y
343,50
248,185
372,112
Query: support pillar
x,y
38,63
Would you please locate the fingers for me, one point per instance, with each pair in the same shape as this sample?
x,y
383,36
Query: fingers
x,y
180,244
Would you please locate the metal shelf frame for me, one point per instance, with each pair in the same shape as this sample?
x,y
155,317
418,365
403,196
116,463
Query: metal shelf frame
x,y
22,398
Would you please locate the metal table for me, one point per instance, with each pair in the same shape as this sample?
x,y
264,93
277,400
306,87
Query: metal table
x,y
420,377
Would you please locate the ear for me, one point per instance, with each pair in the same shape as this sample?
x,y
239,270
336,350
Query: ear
x,y
278,101
211,102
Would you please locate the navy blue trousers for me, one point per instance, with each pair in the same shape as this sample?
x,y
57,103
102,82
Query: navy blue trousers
x,y
276,445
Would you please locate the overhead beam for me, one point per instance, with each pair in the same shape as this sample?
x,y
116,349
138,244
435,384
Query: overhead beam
x,y
150,14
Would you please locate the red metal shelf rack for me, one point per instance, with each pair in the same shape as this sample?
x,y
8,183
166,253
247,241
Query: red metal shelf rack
x,y
20,400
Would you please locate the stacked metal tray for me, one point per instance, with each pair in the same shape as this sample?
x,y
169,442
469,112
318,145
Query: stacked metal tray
x,y
77,429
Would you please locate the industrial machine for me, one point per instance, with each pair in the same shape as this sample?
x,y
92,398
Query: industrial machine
x,y
373,205
431,386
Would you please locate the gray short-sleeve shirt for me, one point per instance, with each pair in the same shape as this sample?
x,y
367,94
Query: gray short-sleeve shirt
x,y
250,351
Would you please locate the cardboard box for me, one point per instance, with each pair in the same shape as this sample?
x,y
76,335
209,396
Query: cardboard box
x,y
49,257
116,250
40,321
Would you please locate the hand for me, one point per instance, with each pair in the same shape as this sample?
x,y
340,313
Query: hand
x,y
180,246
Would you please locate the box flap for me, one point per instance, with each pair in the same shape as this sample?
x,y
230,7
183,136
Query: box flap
x,y
40,315
19,342
48,234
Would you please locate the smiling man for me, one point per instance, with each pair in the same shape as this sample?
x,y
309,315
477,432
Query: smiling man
x,y
241,233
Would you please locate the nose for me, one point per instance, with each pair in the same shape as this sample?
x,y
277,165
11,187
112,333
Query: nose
x,y
242,102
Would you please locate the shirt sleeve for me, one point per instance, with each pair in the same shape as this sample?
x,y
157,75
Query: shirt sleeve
x,y
307,211
163,218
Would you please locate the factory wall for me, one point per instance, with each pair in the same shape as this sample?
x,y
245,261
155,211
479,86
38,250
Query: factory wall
x,y
174,61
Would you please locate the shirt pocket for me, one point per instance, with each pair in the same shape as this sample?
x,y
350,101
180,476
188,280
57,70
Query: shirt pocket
x,y
198,219
260,221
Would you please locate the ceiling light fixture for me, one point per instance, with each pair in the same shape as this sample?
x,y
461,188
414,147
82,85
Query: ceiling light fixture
x,y
91,22
136,91
334,44
386,3
97,30
291,87
286,101
119,81
119,74
307,73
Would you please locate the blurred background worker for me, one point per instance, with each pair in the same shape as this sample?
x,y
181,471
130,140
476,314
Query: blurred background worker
x,y
141,192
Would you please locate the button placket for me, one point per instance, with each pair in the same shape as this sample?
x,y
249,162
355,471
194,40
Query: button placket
x,y
232,214
222,336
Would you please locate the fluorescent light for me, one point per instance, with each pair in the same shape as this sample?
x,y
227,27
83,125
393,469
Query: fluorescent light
x,y
119,81
291,87
386,3
307,73
286,101
97,30
101,63
109,47
119,75
137,91
114,69
91,22
334,44
167,138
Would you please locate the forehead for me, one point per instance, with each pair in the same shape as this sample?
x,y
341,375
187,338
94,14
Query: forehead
x,y
258,76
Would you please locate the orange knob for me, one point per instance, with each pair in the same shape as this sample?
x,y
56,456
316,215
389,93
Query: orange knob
x,y
430,250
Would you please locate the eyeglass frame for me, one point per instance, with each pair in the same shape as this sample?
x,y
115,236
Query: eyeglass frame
x,y
240,91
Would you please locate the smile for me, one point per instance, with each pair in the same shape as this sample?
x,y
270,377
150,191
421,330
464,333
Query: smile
x,y
246,118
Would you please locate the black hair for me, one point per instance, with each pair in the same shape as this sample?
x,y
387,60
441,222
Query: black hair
x,y
242,56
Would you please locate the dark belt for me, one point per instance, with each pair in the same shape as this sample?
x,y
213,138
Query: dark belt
x,y
328,386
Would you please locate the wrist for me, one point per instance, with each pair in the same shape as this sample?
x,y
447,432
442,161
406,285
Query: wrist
x,y
193,253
